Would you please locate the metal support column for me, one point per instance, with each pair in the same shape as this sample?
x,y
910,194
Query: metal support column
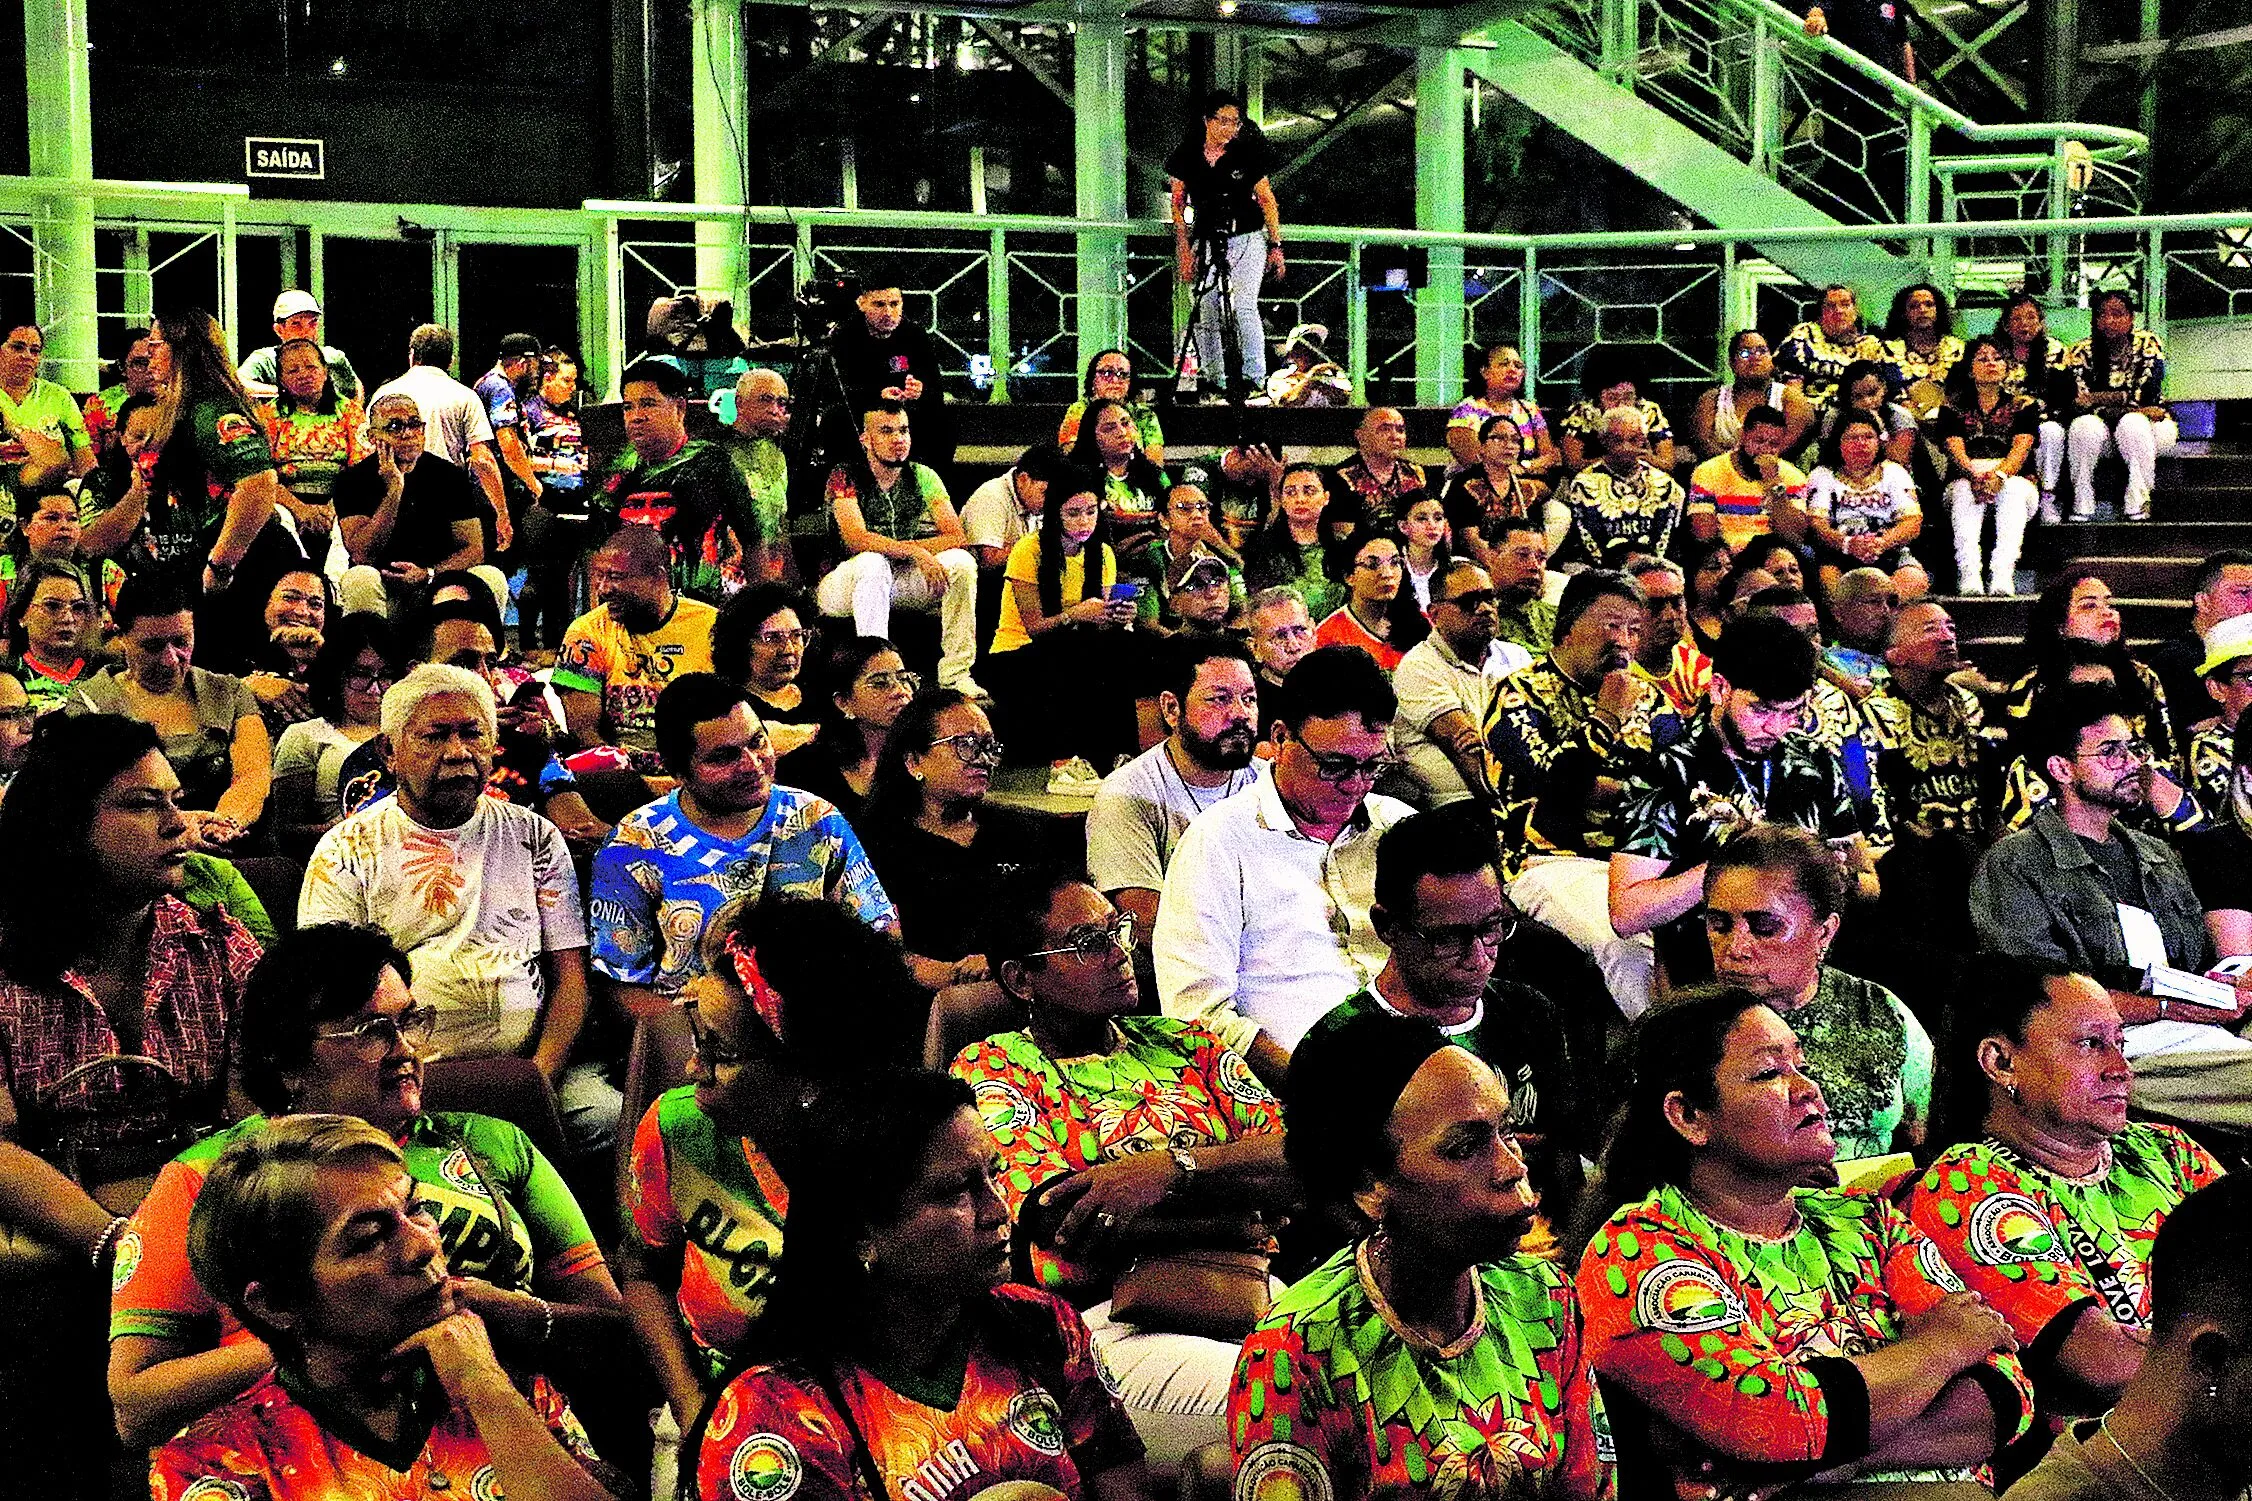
x,y
1439,110
2059,52
1227,60
1098,107
1619,25
719,101
1528,321
999,345
1254,81
2147,112
1767,99
60,114
140,294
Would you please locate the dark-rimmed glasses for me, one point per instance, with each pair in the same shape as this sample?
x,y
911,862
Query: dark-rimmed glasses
x,y
374,1038
1457,939
971,748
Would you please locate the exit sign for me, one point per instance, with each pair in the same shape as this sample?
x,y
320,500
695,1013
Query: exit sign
x,y
283,156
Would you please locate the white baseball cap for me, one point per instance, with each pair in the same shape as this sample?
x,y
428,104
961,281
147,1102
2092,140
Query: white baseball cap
x,y
293,302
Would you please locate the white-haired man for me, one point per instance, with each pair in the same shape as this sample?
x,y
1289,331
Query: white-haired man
x,y
1620,504
479,893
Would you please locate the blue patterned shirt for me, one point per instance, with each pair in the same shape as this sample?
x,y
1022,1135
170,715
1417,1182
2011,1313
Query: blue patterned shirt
x,y
660,878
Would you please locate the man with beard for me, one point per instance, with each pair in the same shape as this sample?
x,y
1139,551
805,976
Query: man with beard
x,y
504,389
640,635
1565,734
1447,683
688,489
1264,924
1454,938
406,513
728,831
1210,706
478,893
2078,887
1522,612
1744,763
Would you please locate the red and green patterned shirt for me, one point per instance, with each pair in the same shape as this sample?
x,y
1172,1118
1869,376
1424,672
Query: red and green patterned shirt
x,y
1745,1345
1331,1403
2035,1243
1035,1418
1168,1083
717,1203
271,1444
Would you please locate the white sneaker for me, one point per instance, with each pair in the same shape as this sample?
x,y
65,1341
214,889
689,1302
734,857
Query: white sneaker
x,y
1258,399
2080,513
2005,584
2137,508
1969,586
965,684
1073,778
2050,515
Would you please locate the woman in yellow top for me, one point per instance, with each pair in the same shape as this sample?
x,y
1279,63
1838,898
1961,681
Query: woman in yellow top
x,y
1062,658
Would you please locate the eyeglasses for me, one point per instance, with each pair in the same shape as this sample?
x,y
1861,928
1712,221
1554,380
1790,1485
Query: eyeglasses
x,y
2121,753
1093,945
884,682
1338,770
971,748
1114,372
361,682
374,1038
708,1045
1458,939
399,425
1378,565
776,640
65,606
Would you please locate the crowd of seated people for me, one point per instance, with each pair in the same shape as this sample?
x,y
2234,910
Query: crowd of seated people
x,y
1533,963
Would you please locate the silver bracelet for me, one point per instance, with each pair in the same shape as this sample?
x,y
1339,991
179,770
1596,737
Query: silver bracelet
x,y
108,1238
547,1314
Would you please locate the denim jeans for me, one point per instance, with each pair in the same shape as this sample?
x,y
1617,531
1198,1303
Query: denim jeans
x,y
1247,266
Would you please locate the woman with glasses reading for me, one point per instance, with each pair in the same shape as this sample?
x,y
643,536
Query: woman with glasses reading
x,y
1110,377
330,1027
1111,1126
935,844
869,688
759,642
50,620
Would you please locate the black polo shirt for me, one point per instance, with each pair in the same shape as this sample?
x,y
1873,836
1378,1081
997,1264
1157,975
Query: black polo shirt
x,y
1220,191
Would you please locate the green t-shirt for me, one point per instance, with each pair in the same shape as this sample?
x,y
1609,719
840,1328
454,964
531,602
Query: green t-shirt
x,y
213,882
1872,1058
46,409
214,447
457,1161
766,471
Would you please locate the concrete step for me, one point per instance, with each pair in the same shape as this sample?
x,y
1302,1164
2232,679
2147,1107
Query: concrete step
x,y
2139,576
2148,539
2002,618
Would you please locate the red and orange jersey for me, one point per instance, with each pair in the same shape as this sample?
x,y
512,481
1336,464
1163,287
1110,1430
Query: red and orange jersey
x,y
2035,1243
269,1445
1034,1419
1745,1345
1331,1403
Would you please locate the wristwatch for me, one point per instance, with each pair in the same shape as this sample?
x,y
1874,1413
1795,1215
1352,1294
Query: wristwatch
x,y
1184,1168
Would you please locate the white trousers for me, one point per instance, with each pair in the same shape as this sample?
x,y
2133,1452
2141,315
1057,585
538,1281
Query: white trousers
x,y
2136,439
867,585
1174,1386
2017,501
2048,456
1247,267
361,589
1573,896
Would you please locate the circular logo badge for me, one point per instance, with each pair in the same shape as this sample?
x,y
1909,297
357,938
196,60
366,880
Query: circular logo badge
x,y
485,1485
459,1173
1281,1472
1035,1418
2010,1228
127,1260
212,1488
1003,1106
1682,1297
766,1467
1240,1084
1936,1270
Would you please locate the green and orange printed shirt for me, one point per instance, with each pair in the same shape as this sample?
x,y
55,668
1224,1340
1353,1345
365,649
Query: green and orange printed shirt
x,y
1745,1345
1331,1402
2036,1244
457,1161
716,1202
1168,1083
276,1443
1035,1418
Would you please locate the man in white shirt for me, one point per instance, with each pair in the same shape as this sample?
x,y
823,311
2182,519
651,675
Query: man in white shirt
x,y
1006,509
1264,924
460,432
479,893
1211,710
1446,684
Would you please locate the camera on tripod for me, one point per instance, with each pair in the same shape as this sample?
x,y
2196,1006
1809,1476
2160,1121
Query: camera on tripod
x,y
823,303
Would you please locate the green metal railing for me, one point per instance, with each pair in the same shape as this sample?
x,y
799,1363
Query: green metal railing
x,y
1003,291
1843,132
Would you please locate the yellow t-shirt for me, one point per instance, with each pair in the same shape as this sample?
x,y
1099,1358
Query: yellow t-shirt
x,y
1024,567
629,671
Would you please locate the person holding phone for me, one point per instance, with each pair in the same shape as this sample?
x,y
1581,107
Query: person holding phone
x,y
1061,653
406,513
